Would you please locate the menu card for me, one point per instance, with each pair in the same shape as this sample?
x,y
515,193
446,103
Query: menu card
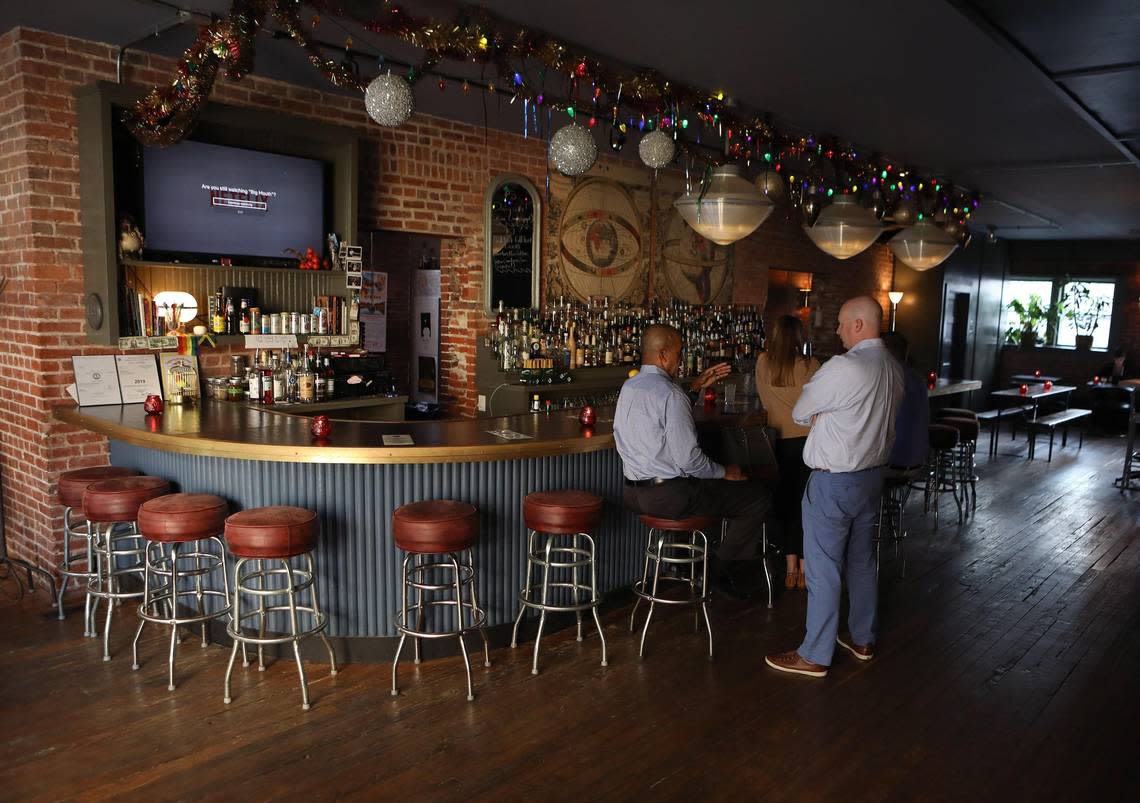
x,y
138,377
96,381
397,440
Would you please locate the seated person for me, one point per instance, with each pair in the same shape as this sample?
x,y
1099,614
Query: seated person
x,y
666,472
1117,369
912,440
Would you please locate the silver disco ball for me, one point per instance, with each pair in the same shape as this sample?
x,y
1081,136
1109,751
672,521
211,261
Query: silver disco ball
x,y
656,149
389,100
573,150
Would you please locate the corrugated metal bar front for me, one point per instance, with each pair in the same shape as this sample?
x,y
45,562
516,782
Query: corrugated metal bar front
x,y
358,566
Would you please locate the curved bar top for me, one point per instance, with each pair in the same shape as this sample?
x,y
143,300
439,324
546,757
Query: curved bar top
x,y
237,431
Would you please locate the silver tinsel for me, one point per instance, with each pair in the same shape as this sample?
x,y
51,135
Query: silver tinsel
x,y
656,149
389,100
573,150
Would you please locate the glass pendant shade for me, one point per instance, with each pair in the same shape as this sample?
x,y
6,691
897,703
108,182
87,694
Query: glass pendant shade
x,y
922,246
730,210
895,296
845,228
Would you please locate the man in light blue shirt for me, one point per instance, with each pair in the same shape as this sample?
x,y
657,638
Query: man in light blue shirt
x,y
666,472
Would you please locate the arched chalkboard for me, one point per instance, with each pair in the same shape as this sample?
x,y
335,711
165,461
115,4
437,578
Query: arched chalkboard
x,y
511,225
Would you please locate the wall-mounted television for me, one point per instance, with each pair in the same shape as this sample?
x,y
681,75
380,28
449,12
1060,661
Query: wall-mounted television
x,y
217,200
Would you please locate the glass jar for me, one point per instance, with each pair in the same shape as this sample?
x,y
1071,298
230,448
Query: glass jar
x,y
235,388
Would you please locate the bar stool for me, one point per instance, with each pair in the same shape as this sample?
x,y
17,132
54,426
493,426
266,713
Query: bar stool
x,y
558,515
72,485
176,520
115,503
942,473
676,553
967,475
274,534
897,485
438,535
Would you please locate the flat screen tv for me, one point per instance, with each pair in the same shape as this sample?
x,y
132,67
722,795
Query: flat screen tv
x,y
204,202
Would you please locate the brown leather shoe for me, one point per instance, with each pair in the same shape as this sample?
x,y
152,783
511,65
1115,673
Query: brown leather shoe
x,y
864,652
792,662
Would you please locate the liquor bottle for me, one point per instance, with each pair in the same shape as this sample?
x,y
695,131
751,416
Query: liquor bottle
x,y
330,380
306,384
243,320
321,381
231,323
278,386
218,318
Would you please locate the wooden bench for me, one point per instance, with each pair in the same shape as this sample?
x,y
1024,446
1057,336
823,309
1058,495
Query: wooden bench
x,y
1050,423
1011,414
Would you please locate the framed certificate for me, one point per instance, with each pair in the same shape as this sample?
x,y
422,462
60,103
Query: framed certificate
x,y
138,377
96,380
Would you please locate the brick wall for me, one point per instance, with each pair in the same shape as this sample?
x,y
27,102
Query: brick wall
x,y
426,177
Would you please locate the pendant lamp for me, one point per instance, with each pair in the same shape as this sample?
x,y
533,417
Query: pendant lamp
x,y
845,228
730,209
922,246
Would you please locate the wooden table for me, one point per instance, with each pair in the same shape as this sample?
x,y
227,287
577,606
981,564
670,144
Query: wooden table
x,y
948,387
1034,394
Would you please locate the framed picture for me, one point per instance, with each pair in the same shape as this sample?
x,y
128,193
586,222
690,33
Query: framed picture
x,y
180,377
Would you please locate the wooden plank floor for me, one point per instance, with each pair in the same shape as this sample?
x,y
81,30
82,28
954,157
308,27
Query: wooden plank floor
x,y
1008,669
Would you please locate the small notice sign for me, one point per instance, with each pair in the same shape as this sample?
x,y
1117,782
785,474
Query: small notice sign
x,y
96,380
397,440
271,341
138,377
509,434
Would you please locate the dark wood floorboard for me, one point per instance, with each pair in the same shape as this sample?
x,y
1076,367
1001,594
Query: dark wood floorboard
x,y
1008,669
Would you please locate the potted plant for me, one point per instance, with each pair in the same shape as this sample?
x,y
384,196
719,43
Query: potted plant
x,y
1084,311
1030,317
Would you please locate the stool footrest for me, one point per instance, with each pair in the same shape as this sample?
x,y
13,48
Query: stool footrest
x,y
695,598
478,619
557,608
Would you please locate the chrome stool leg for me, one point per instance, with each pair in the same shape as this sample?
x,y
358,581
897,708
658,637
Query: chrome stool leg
x,y
318,615
575,591
652,598
235,625
402,620
594,600
527,589
705,587
545,599
475,607
644,578
459,625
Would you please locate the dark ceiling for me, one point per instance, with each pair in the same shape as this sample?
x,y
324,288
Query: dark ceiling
x,y
1035,105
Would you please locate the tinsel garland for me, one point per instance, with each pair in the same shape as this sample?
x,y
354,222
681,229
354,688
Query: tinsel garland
x,y
522,62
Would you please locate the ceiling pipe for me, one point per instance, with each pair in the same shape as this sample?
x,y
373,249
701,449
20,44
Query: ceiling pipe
x,y
181,17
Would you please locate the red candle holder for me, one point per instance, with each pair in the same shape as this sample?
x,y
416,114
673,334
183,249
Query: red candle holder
x,y
1048,384
710,396
1096,380
1037,372
1023,390
587,418
321,426
153,404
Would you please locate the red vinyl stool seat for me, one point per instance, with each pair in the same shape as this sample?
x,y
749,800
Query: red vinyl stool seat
x,y
265,540
178,565
435,527
562,521
438,538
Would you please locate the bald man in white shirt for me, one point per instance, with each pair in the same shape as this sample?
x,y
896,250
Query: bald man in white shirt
x,y
851,404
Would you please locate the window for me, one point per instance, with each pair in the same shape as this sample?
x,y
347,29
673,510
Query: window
x,y
1023,291
1087,311
1086,308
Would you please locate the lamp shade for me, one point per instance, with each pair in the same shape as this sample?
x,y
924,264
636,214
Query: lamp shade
x,y
845,228
187,304
922,246
730,209
895,296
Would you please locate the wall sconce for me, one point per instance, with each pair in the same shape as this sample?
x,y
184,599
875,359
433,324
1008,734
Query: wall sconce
x,y
895,296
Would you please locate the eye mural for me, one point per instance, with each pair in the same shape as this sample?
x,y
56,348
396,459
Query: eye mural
x,y
693,269
600,241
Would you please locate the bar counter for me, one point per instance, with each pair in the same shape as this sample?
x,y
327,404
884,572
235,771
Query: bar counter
x,y
255,457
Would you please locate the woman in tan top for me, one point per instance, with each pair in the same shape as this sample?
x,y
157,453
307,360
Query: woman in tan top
x,y
781,373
